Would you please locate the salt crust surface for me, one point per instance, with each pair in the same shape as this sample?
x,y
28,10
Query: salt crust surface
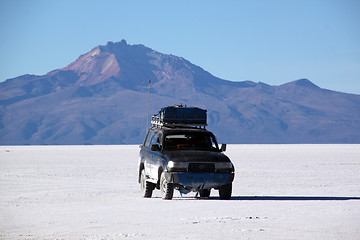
x,y
91,192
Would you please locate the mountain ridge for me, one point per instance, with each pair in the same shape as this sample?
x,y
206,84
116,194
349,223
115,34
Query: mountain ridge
x,y
101,98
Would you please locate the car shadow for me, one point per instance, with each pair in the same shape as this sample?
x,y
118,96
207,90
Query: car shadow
x,y
267,198
286,198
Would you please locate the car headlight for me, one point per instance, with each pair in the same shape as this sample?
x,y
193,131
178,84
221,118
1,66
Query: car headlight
x,y
177,166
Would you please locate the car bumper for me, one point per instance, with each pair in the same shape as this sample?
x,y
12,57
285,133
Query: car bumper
x,y
199,180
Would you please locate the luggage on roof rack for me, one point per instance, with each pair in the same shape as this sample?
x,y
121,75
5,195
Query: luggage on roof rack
x,y
180,115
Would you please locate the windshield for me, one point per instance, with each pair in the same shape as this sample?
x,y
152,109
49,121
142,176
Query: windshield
x,y
193,141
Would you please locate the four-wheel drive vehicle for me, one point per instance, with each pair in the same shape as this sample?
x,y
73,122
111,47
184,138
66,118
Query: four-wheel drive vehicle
x,y
185,158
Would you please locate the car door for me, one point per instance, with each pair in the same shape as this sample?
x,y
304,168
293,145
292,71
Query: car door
x,y
146,153
155,156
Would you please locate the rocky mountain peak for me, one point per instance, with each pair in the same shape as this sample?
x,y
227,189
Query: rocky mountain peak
x,y
305,83
301,83
113,47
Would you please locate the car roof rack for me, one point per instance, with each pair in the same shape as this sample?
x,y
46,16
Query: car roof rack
x,y
180,116
157,122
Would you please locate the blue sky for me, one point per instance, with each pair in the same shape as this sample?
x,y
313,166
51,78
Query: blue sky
x,y
263,41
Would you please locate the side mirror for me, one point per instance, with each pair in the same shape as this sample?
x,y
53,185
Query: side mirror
x,y
223,147
155,147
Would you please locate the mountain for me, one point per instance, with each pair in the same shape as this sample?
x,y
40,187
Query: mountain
x,y
101,98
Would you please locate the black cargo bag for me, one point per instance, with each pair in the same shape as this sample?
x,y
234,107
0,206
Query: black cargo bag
x,y
183,115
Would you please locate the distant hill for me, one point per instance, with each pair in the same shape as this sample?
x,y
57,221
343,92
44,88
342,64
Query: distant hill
x,y
101,98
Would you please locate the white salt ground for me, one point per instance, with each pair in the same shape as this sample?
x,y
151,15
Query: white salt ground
x,y
91,192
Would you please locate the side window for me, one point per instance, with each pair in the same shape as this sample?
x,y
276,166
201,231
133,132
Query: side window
x,y
148,139
156,139
213,142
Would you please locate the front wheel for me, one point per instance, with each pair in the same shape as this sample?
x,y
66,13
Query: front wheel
x,y
167,189
225,191
146,187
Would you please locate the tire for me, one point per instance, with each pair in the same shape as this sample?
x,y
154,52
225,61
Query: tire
x,y
166,189
146,187
205,193
225,191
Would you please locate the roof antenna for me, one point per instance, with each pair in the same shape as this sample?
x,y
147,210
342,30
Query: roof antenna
x,y
147,121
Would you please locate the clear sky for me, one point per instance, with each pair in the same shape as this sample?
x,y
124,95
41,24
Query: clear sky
x,y
263,41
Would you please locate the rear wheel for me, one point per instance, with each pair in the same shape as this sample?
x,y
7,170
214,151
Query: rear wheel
x,y
146,187
167,189
225,191
205,192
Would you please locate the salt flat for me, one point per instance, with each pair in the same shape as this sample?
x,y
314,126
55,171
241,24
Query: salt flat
x,y
91,192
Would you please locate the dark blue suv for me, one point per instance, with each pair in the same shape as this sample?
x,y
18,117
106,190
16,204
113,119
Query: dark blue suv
x,y
186,159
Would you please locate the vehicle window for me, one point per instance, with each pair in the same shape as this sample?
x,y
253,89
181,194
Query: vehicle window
x,y
148,139
196,141
156,139
213,142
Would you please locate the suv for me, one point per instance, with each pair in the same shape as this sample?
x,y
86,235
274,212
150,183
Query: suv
x,y
184,158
